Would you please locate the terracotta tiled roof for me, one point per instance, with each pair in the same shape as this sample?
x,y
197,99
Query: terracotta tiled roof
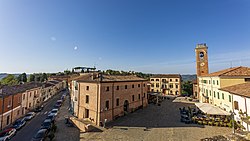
x,y
166,76
53,82
107,78
236,71
239,89
9,90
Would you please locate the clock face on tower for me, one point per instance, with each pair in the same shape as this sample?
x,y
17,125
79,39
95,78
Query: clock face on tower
x,y
202,64
201,55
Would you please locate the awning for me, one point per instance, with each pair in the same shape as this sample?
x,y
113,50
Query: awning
x,y
211,109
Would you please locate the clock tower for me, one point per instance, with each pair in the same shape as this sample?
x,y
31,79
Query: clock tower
x,y
201,59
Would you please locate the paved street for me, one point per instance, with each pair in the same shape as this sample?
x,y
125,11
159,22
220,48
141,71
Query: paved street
x,y
63,132
32,126
161,123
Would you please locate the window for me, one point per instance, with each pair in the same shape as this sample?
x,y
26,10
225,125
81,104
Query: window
x,y
210,93
218,94
157,79
170,80
87,88
157,85
133,98
152,90
144,95
133,86
213,82
30,94
23,96
206,92
139,85
222,95
247,79
163,80
152,80
170,85
126,86
152,85
209,82
236,105
117,87
117,102
107,104
87,99
229,98
29,104
217,82
18,112
214,94
176,86
139,96
144,85
107,88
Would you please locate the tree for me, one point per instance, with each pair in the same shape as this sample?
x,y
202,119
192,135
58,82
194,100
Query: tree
x,y
9,80
44,77
22,77
187,87
37,78
31,78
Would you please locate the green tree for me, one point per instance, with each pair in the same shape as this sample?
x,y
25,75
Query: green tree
x,y
31,78
22,77
187,88
9,80
37,78
44,77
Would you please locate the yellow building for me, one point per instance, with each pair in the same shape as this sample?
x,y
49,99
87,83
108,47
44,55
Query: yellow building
x,y
167,84
210,85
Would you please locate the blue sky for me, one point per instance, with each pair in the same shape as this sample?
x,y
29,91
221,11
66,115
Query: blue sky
x,y
152,36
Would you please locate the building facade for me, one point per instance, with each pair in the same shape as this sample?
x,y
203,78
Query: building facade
x,y
210,86
240,103
167,84
102,98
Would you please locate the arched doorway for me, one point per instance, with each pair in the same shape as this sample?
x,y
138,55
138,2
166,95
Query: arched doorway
x,y
126,106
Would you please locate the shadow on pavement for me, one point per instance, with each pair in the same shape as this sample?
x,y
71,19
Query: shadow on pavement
x,y
165,116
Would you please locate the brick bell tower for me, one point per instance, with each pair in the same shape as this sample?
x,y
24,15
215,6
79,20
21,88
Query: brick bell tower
x,y
201,59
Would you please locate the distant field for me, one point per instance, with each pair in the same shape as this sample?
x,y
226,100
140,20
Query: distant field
x,y
2,75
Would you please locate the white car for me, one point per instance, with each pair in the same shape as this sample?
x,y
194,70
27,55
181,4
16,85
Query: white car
x,y
29,115
53,112
7,134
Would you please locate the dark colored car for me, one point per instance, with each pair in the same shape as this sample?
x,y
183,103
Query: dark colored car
x,y
38,109
18,124
52,117
40,135
47,124
57,106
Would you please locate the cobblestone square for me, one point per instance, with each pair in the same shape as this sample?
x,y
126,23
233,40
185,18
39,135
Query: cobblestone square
x,y
161,123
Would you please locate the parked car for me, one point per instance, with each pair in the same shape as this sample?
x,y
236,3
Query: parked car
x,y
54,111
57,106
38,109
7,134
52,117
18,124
47,124
59,102
29,115
40,135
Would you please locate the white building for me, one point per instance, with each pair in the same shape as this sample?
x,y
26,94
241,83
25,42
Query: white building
x,y
241,102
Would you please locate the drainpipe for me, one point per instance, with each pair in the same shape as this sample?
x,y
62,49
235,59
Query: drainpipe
x,y
142,93
12,101
2,113
97,109
232,113
246,112
113,100
78,100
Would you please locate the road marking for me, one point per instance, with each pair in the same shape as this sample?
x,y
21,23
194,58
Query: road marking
x,y
45,112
